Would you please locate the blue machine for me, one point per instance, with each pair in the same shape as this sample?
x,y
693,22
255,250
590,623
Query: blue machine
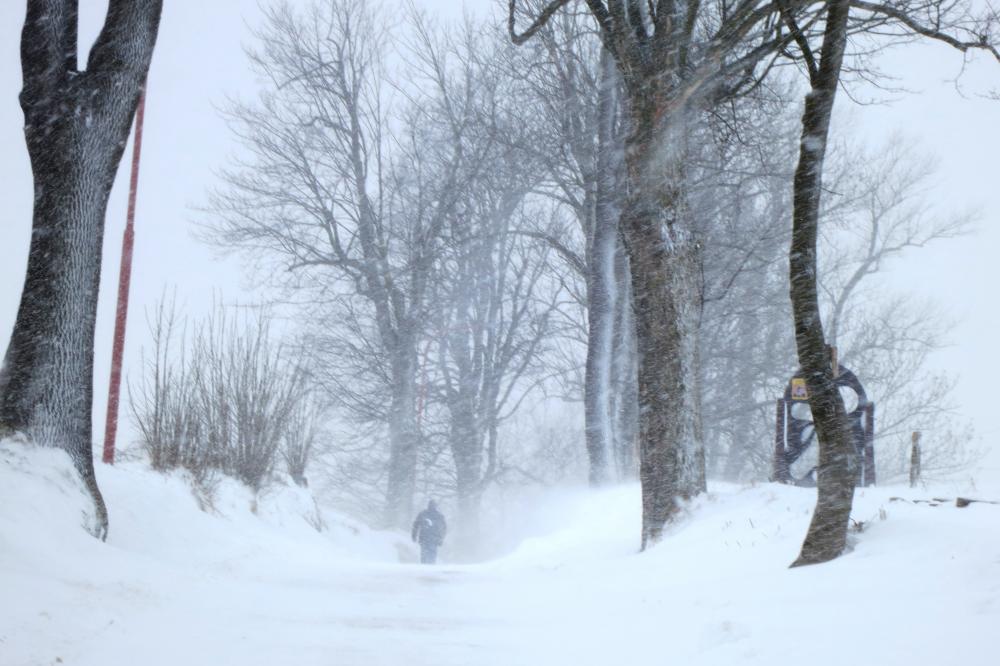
x,y
795,432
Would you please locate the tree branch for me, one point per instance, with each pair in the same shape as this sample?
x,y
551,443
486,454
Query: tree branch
x,y
127,38
571,257
48,46
801,41
536,25
983,43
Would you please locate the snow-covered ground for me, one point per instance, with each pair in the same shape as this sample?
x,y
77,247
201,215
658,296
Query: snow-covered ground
x,y
252,582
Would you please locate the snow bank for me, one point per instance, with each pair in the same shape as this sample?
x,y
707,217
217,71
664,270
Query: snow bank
x,y
252,582
162,516
59,585
921,584
44,507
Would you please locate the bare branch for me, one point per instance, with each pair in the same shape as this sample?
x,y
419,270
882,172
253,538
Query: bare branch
x,y
536,25
982,42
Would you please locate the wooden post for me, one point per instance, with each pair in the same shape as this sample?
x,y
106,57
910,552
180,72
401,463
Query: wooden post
x,y
779,468
869,462
915,460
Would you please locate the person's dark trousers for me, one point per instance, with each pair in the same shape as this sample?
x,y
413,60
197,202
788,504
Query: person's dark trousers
x,y
428,553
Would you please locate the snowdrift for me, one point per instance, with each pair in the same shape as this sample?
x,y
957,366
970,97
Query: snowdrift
x,y
251,581
921,584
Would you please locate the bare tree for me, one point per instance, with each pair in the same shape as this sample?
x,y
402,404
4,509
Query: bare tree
x,y
882,214
315,194
492,330
879,216
875,199
76,124
573,83
947,22
348,189
742,195
487,311
675,60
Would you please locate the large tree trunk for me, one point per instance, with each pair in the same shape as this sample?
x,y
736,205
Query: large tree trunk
x,y
827,536
76,128
665,262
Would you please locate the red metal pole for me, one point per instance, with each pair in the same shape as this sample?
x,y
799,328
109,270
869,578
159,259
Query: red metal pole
x,y
124,281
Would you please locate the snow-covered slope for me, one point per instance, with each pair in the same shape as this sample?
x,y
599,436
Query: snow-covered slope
x,y
178,585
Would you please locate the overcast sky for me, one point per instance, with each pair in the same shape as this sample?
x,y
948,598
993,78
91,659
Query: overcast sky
x,y
199,60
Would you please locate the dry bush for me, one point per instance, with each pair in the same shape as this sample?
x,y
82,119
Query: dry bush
x,y
229,400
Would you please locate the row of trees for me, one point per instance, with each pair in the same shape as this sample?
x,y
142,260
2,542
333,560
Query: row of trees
x,y
400,210
680,62
453,219
452,226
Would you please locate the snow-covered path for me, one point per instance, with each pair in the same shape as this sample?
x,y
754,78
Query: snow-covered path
x,y
348,615
176,585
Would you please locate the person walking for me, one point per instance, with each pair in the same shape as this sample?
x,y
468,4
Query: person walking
x,y
429,529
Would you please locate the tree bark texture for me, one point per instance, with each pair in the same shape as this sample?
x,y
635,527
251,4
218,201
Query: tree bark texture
x,y
76,128
664,265
665,281
827,535
665,261
675,59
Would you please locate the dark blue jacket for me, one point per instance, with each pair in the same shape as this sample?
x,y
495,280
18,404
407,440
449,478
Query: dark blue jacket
x,y
429,528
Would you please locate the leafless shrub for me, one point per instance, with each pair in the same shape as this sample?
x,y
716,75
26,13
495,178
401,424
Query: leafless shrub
x,y
225,401
162,402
